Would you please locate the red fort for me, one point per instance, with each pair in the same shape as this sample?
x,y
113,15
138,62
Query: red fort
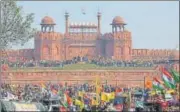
x,y
86,39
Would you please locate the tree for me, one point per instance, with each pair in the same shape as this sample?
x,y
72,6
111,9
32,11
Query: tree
x,y
15,26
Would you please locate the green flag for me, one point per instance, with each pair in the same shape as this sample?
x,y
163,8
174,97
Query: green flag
x,y
175,76
60,93
168,82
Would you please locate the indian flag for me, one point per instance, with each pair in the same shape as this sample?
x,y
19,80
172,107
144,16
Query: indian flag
x,y
157,84
175,76
67,100
168,79
65,104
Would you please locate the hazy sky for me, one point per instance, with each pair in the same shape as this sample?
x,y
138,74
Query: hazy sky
x,y
153,24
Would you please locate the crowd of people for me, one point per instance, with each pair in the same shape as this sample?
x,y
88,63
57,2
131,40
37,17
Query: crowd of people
x,y
88,96
80,97
118,63
99,61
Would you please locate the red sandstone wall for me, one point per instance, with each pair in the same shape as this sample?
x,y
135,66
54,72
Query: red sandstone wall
x,y
47,46
19,55
74,51
176,67
120,77
152,54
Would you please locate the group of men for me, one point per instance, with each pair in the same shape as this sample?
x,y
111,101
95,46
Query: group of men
x,y
100,61
36,93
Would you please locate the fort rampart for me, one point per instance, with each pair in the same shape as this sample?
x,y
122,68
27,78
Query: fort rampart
x,y
131,77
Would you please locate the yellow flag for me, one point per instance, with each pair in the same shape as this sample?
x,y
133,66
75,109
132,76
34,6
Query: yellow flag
x,y
170,91
97,88
77,102
80,103
152,93
80,93
112,95
104,97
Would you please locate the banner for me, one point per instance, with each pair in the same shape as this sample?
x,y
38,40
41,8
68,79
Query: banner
x,y
25,107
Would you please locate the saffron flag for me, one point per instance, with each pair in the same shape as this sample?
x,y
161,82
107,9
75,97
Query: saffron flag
x,y
148,83
43,85
93,101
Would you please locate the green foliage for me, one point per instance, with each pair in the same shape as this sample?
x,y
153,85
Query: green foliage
x,y
15,25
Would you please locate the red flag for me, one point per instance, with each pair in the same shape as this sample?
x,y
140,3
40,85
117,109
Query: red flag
x,y
119,90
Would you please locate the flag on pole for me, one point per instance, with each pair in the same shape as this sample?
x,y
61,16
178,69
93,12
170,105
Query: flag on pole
x,y
148,83
104,97
65,104
67,100
168,79
98,89
175,76
157,84
43,85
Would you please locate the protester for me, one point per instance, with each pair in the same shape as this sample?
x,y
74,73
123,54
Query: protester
x,y
100,61
77,96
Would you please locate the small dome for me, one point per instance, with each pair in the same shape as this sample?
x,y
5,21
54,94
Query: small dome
x,y
118,20
47,20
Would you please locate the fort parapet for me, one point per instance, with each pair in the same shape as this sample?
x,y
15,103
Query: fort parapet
x,y
133,77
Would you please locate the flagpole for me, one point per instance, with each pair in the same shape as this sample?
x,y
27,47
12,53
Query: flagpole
x,y
144,87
